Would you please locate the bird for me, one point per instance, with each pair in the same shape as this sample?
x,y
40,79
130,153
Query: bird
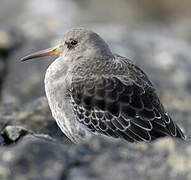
x,y
92,91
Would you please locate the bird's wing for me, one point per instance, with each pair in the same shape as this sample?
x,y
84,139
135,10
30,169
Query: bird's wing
x,y
119,106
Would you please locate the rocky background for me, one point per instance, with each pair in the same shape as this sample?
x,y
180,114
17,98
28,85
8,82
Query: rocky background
x,y
156,35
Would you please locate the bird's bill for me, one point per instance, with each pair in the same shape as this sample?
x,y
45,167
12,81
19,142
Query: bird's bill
x,y
54,51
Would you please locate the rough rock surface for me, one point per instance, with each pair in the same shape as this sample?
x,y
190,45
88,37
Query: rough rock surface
x,y
34,116
34,158
26,154
40,158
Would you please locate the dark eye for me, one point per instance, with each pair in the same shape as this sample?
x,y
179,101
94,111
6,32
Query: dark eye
x,y
73,42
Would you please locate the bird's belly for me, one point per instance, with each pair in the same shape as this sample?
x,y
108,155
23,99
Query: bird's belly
x,y
68,124
62,112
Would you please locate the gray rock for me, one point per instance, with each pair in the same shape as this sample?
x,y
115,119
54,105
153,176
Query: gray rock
x,y
37,156
98,158
35,117
164,159
34,158
14,133
2,142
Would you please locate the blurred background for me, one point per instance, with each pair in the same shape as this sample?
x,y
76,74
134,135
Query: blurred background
x,y
156,35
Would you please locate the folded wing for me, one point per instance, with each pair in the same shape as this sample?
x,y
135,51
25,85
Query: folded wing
x,y
120,107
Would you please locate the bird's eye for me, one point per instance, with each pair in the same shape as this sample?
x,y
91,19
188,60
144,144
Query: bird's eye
x,y
73,42
70,44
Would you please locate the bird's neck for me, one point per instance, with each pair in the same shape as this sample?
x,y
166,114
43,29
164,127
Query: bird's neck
x,y
57,81
58,69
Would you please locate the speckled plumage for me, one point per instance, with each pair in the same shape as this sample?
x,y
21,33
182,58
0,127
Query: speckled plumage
x,y
120,102
92,91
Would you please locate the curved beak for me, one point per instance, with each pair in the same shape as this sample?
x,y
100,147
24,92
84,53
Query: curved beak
x,y
54,51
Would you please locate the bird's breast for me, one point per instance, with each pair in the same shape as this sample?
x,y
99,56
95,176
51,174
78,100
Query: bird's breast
x,y
56,88
56,85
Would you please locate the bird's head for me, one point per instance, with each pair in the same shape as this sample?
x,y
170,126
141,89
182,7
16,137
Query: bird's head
x,y
76,43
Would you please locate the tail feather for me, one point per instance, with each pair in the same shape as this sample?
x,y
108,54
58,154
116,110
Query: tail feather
x,y
170,129
174,129
180,134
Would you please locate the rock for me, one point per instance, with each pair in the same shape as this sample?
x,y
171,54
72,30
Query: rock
x,y
53,156
165,158
35,116
43,157
2,142
97,158
13,133
34,158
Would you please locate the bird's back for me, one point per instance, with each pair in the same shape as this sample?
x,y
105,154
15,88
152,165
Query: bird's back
x,y
116,98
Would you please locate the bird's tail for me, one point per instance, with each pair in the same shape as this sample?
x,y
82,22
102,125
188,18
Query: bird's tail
x,y
174,129
180,133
